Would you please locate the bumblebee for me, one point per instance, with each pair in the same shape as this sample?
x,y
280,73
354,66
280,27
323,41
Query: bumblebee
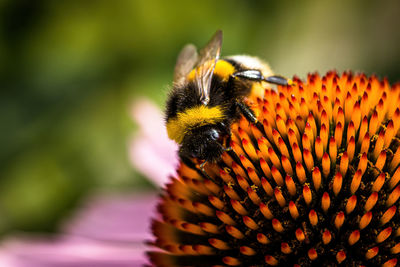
x,y
209,94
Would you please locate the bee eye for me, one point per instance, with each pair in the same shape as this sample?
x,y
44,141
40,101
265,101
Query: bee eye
x,y
214,134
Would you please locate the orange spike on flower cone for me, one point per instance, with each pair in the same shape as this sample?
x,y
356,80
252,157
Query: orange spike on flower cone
x,y
315,182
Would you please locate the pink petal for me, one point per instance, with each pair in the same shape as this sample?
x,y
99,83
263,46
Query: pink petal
x,y
151,151
147,159
66,251
108,230
122,218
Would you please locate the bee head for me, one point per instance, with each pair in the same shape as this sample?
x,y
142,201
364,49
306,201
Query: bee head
x,y
204,142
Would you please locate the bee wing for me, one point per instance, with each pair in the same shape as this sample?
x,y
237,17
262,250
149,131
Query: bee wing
x,y
212,49
185,62
209,56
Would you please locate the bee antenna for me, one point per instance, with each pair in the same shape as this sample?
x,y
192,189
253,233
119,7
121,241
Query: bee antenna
x,y
279,80
204,171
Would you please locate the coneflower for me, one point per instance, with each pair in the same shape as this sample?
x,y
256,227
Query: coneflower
x,y
316,181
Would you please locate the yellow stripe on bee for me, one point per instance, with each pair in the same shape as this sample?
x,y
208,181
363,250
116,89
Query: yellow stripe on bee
x,y
192,117
191,75
223,69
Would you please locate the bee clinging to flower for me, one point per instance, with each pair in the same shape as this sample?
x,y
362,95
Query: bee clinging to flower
x,y
209,94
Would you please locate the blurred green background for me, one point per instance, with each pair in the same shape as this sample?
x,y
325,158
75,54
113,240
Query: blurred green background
x,y
70,71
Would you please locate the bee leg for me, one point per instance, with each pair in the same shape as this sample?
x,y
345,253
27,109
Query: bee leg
x,y
202,166
247,112
226,142
227,146
188,162
203,170
249,115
